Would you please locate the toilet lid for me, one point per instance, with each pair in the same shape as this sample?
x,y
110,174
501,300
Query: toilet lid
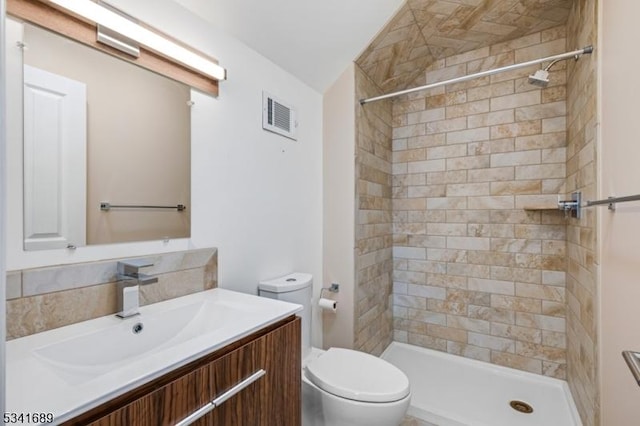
x,y
358,376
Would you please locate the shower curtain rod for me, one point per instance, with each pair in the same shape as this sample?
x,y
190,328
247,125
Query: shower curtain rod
x,y
576,54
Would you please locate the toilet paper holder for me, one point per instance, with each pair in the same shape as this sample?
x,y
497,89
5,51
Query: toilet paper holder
x,y
334,288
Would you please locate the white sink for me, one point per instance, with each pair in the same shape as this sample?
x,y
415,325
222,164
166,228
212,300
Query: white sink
x,y
71,369
122,341
158,327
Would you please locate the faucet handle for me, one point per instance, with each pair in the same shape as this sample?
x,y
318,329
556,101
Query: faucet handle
x,y
132,266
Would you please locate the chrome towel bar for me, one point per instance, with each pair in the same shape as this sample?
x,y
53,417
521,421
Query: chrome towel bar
x,y
574,206
105,206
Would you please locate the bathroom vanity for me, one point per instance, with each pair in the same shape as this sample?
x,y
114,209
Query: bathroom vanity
x,y
270,398
215,358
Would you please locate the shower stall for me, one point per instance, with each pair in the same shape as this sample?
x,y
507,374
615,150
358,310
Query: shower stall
x,y
459,246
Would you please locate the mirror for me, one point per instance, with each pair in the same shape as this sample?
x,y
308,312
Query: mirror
x,y
98,129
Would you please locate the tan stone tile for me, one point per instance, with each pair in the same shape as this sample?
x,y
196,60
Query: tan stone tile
x,y
426,116
471,135
468,108
469,351
29,315
546,140
466,163
492,342
545,353
541,171
444,126
494,315
543,322
446,307
544,292
515,101
467,189
554,94
447,333
523,187
518,304
491,202
469,324
552,369
491,174
446,177
491,118
449,151
427,341
426,141
523,334
517,361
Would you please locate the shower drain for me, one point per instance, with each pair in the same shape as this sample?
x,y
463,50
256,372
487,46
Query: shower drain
x,y
521,407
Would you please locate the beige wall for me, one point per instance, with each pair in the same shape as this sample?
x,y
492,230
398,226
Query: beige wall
x,y
619,232
338,149
374,241
475,274
138,140
582,298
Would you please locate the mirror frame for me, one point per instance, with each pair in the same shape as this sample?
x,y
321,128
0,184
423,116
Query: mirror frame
x,y
46,16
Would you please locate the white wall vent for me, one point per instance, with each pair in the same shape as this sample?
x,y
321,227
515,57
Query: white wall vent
x,y
278,117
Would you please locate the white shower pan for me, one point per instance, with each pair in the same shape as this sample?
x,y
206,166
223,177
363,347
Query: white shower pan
x,y
449,390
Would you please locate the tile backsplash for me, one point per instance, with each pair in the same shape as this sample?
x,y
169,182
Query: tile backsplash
x,y
40,299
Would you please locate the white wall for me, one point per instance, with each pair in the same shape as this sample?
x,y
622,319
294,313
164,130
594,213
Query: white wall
x,y
339,207
619,233
2,211
256,196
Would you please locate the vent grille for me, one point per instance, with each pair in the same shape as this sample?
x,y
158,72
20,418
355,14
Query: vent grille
x,y
278,117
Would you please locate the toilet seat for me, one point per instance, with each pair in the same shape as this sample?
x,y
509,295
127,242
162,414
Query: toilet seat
x,y
358,376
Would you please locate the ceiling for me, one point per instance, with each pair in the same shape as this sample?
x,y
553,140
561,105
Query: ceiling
x,y
314,40
424,31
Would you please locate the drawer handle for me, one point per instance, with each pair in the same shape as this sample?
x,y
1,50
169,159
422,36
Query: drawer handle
x,y
237,388
208,407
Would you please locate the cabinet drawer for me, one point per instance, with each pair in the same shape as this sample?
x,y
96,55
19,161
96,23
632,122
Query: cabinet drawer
x,y
272,399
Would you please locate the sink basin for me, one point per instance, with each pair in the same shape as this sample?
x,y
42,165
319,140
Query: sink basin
x,y
122,341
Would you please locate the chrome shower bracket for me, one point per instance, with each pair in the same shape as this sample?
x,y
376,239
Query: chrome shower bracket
x,y
572,208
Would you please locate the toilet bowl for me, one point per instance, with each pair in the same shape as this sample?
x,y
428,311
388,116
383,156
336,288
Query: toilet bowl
x,y
341,387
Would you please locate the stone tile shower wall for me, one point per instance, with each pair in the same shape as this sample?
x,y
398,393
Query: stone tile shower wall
x,y
582,294
475,274
373,329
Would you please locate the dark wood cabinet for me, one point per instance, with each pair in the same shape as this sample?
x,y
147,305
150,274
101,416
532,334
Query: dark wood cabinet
x,y
273,398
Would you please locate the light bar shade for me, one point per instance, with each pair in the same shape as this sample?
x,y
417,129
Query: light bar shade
x,y
153,41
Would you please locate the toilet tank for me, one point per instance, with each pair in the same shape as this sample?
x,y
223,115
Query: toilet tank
x,y
295,288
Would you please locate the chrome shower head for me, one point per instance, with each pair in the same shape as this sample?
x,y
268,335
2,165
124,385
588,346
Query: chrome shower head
x,y
540,78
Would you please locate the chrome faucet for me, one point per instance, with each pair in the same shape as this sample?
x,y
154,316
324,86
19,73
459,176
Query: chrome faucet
x,y
129,281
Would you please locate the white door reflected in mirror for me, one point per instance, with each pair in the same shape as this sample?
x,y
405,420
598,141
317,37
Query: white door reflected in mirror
x,y
55,166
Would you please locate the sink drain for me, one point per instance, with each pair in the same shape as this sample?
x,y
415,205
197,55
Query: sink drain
x,y
521,407
137,328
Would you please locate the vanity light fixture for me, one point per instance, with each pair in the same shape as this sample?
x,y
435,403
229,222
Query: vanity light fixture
x,y
153,41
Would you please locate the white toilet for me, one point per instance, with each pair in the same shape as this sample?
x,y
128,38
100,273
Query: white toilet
x,y
341,387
